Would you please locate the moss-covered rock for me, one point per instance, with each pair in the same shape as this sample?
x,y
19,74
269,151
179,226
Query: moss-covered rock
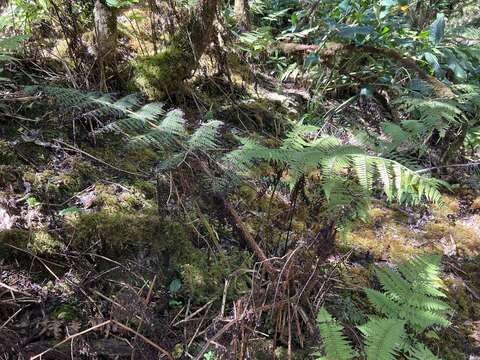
x,y
158,74
14,243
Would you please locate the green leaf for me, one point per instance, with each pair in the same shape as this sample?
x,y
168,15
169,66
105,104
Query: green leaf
x,y
433,61
175,285
32,201
69,210
437,29
349,32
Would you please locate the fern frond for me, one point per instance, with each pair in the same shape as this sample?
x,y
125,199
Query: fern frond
x,y
335,344
412,294
205,137
421,352
382,338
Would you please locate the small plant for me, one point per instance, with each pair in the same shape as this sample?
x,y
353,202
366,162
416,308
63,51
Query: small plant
x,y
409,305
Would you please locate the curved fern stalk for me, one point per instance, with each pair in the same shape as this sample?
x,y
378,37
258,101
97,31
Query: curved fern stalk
x,y
335,344
383,338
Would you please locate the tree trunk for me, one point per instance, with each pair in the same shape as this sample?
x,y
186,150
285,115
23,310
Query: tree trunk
x,y
3,3
160,75
106,41
242,15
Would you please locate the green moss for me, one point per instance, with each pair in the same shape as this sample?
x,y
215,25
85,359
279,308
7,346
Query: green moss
x,y
39,242
52,186
42,243
455,340
117,232
10,175
7,155
108,198
16,237
65,312
158,74
120,235
147,188
135,159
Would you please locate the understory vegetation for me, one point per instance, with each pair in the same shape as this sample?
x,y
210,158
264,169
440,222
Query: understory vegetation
x,y
250,179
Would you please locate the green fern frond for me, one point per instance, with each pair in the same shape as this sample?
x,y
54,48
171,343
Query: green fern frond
x,y
383,338
163,135
412,294
335,344
205,137
421,352
304,150
382,303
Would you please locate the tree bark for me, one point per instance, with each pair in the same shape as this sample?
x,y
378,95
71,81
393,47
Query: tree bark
x,y
106,41
242,15
3,3
161,74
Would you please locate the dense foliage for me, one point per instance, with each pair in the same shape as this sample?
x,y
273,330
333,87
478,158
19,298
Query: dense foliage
x,y
230,180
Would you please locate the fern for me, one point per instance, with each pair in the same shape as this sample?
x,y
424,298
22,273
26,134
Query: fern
x,y
421,352
411,302
433,114
305,149
383,338
335,345
147,125
412,294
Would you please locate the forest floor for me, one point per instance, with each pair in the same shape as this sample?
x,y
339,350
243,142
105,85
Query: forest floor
x,y
83,251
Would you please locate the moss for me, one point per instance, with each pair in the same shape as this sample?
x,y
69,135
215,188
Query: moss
x,y
166,243
118,234
10,175
54,186
109,198
455,340
135,159
65,312
7,154
450,205
39,242
16,237
42,243
147,188
463,235
158,74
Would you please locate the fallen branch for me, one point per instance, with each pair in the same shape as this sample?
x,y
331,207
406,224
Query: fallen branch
x,y
439,87
242,231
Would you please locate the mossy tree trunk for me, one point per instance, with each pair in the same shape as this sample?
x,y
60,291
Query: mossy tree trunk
x,y
161,75
242,15
106,41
